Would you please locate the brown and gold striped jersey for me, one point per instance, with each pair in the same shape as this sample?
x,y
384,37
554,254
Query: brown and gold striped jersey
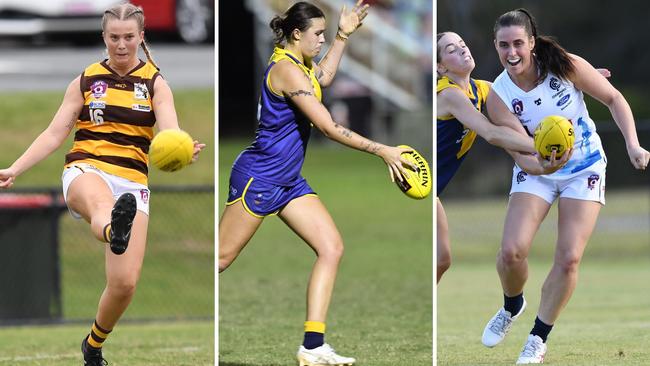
x,y
115,126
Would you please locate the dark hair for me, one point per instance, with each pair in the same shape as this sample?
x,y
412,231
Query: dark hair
x,y
549,54
298,16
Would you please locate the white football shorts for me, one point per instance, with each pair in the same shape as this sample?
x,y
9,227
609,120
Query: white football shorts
x,y
117,185
587,185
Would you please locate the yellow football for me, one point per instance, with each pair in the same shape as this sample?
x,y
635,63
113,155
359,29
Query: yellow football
x,y
554,133
171,150
418,184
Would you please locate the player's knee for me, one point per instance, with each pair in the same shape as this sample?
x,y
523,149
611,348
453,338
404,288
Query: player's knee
x,y
568,263
331,250
123,288
511,255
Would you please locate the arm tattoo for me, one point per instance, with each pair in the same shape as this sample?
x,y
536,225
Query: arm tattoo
x,y
299,92
372,147
72,122
343,131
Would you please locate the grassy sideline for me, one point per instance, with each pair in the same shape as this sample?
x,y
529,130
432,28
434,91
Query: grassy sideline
x,y
381,308
606,320
175,343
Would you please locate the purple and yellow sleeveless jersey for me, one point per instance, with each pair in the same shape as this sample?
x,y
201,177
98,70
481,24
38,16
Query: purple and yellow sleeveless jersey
x,y
278,152
454,139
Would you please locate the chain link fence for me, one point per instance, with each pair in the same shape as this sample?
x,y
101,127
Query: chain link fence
x,y
52,268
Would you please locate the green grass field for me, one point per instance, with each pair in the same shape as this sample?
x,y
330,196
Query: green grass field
x,y
606,321
177,280
174,343
381,308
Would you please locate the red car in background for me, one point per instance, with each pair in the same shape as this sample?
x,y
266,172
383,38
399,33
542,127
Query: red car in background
x,y
193,20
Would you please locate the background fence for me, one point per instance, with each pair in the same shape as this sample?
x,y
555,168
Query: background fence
x,y
177,277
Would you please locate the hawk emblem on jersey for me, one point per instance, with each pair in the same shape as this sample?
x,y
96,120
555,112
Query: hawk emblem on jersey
x,y
554,84
592,180
98,88
140,91
521,176
517,106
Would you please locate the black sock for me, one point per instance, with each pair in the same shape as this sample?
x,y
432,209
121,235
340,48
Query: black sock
x,y
313,340
541,329
513,304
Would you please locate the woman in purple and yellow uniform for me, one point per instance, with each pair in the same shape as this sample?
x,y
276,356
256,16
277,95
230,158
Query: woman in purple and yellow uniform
x,y
114,105
265,178
460,101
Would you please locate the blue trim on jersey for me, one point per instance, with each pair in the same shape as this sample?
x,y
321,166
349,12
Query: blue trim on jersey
x,y
584,164
590,158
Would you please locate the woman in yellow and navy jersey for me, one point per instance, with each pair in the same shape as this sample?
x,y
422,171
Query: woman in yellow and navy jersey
x,y
460,101
114,105
266,177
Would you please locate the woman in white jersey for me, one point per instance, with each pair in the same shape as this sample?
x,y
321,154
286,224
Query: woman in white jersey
x,y
541,79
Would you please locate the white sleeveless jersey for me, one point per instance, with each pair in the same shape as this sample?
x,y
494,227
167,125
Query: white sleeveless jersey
x,y
558,97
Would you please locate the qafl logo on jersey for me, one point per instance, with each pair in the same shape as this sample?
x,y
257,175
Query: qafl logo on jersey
x,y
554,84
517,106
592,180
98,88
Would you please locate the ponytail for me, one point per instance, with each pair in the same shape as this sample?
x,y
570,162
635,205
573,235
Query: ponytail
x,y
298,16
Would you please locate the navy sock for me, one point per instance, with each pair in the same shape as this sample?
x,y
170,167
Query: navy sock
x,y
313,340
541,329
513,304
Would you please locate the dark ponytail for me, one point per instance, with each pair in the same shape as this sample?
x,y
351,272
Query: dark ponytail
x,y
298,16
550,56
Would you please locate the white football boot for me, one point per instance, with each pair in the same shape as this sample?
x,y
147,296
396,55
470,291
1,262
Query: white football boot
x,y
497,328
322,356
533,352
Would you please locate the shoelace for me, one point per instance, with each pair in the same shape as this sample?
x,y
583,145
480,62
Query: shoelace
x,y
531,349
501,323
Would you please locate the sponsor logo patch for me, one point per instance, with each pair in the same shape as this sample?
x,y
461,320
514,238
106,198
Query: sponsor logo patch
x,y
563,100
141,108
97,104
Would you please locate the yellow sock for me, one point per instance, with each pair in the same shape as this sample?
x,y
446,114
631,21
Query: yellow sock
x,y
313,326
97,336
107,233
